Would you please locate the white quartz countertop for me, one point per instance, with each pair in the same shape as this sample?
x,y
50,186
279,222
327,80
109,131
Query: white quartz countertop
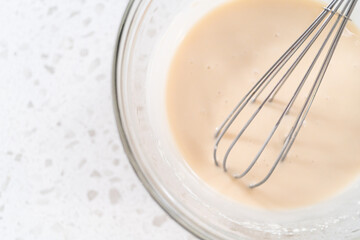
x,y
63,172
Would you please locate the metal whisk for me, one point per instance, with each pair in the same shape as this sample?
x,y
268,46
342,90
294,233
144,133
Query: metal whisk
x,y
320,23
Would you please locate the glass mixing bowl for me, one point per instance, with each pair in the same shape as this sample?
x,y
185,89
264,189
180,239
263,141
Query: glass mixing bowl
x,y
147,142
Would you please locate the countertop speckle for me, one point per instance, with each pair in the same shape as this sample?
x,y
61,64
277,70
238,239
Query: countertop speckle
x,y
63,172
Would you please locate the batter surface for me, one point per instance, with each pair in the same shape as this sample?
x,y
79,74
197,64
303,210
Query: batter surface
x,y
219,60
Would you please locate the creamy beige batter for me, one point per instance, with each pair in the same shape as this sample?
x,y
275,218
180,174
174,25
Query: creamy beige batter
x,y
216,64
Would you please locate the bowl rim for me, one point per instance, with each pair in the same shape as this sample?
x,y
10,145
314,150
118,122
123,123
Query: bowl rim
x,y
184,220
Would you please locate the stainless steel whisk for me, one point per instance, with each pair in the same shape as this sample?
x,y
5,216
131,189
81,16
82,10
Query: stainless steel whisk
x,y
321,22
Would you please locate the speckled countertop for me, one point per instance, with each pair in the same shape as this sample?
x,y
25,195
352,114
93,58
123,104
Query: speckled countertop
x,y
63,173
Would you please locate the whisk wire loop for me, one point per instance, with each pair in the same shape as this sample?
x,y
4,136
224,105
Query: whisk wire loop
x,y
262,84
